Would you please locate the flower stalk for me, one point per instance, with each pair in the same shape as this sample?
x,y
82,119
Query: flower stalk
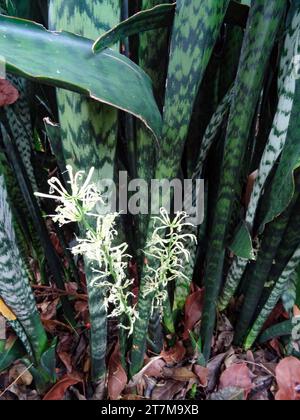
x,y
167,249
108,261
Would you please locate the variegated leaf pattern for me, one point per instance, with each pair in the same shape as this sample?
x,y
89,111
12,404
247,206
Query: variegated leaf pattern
x,y
278,238
275,145
279,288
262,28
153,60
182,285
15,289
194,22
19,119
89,135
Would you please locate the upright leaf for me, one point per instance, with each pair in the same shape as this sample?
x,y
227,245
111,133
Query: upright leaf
x,y
153,59
273,149
195,22
14,285
89,134
273,299
276,232
263,23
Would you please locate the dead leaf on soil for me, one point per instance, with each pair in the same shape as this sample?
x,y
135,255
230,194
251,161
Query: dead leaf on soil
x,y
6,311
175,354
153,368
20,374
117,378
166,390
237,376
228,394
58,391
214,366
182,374
288,379
48,309
202,374
53,327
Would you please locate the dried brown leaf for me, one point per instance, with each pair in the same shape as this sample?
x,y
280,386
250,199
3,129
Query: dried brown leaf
x,y
8,93
175,354
237,376
193,311
58,391
288,379
166,390
182,374
117,377
202,374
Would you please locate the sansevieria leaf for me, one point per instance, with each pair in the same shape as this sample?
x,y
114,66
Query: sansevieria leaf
x,y
183,285
107,77
153,59
273,149
155,18
195,22
263,23
283,185
89,135
19,120
273,299
15,289
275,233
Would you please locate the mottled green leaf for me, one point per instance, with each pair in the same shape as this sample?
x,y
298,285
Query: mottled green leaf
x,y
275,144
195,22
278,330
12,352
97,124
14,283
242,243
273,299
48,361
263,24
283,185
155,18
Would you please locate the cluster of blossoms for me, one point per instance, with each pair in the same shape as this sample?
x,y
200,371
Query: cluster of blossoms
x,y
76,204
111,261
108,261
167,249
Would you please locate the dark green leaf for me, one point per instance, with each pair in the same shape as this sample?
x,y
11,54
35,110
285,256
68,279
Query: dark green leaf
x,y
155,18
278,330
107,77
242,243
48,361
263,24
13,352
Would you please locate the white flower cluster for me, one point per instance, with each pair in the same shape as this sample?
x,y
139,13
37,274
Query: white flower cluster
x,y
76,205
167,248
109,262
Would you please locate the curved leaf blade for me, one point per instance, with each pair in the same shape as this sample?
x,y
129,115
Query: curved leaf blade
x,y
158,17
108,77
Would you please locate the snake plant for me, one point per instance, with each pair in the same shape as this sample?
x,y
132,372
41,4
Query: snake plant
x,y
163,90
